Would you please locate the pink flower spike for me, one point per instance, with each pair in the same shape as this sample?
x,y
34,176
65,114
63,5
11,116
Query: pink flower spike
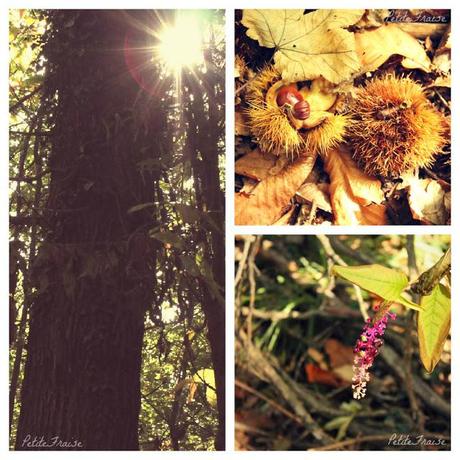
x,y
366,349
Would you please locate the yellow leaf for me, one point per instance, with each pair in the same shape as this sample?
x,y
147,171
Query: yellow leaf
x,y
375,46
207,377
307,46
433,325
355,196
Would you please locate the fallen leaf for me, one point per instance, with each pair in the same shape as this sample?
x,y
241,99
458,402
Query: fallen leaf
x,y
256,164
270,198
374,47
442,57
344,372
315,193
433,326
428,201
307,46
355,196
317,375
338,353
286,218
373,18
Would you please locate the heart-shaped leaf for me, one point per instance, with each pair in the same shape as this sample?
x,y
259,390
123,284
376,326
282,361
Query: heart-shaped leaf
x,y
433,325
382,281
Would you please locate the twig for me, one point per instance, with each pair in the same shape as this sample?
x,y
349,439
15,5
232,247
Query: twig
x,y
357,440
242,264
344,249
328,249
252,284
417,413
272,403
23,99
427,281
259,363
421,389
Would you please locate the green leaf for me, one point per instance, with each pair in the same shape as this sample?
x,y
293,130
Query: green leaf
x,y
341,424
433,325
408,303
382,281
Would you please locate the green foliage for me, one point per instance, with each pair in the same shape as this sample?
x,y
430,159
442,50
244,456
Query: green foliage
x,y
164,380
382,281
433,325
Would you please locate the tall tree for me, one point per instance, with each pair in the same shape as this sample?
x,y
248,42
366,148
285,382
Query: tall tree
x,y
93,272
205,109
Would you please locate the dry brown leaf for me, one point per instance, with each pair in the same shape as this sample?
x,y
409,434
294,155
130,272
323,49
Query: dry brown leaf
x,y
374,47
318,357
355,196
421,30
315,193
442,58
428,201
338,353
270,198
248,186
256,164
372,18
345,372
286,218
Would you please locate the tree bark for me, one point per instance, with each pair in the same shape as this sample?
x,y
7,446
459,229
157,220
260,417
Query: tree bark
x,y
93,274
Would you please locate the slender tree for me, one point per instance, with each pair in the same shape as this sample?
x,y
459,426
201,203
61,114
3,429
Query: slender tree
x,y
204,110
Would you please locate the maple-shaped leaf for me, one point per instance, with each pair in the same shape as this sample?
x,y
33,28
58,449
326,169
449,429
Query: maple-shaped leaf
x,y
307,46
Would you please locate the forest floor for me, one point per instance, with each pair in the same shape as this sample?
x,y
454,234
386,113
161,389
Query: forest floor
x,y
296,327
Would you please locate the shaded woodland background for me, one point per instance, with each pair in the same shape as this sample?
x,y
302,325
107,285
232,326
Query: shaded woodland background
x,y
117,234
296,327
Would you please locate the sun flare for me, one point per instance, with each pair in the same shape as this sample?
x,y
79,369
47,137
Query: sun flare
x,y
181,44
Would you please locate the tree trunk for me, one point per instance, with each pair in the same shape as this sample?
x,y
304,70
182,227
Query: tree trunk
x,y
203,138
93,274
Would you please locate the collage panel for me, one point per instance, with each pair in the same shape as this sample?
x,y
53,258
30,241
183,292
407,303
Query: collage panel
x,y
342,342
342,117
117,246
